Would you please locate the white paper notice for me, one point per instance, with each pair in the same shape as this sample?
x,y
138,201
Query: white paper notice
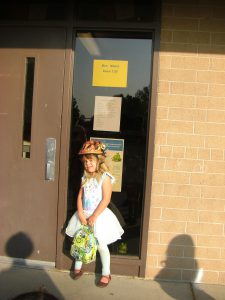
x,y
107,113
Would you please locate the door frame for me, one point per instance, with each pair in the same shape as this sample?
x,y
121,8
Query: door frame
x,y
120,264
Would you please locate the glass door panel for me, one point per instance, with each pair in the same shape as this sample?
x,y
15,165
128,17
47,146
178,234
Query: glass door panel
x,y
96,55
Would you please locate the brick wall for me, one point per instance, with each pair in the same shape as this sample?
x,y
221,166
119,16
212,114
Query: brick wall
x,y
187,214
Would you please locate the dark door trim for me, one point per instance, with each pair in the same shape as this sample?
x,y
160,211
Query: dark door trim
x,y
123,265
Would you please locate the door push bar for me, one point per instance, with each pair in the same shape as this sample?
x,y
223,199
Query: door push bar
x,y
50,152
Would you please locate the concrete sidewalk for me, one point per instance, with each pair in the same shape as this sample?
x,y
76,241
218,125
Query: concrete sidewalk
x,y
19,279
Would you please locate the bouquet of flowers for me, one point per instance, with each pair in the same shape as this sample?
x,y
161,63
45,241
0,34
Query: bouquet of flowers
x,y
84,245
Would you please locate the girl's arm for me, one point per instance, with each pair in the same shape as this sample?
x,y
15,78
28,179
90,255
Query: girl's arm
x,y
106,197
80,208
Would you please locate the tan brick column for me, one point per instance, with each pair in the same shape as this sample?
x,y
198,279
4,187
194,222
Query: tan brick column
x,y
187,215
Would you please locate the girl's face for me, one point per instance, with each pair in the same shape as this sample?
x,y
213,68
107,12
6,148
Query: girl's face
x,y
90,163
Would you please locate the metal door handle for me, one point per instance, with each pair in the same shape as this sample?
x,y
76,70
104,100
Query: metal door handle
x,y
50,152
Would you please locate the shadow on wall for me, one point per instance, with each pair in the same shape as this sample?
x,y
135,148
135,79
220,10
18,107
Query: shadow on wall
x,y
181,263
19,277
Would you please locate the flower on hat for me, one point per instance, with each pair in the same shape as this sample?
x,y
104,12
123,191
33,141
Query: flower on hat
x,y
93,147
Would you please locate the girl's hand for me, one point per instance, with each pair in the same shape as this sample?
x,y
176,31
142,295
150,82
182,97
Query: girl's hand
x,y
83,220
91,220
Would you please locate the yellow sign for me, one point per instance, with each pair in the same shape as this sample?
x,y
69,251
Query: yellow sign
x,y
110,73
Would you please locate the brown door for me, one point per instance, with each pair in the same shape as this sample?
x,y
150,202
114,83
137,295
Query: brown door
x,y
31,84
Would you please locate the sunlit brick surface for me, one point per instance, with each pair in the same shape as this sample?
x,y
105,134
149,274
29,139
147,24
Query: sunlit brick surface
x,y
187,215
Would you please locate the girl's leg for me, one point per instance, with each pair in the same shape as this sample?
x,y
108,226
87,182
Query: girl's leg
x,y
105,259
77,270
77,266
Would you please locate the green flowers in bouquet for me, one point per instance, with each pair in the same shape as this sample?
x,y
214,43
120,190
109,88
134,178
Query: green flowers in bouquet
x,y
84,245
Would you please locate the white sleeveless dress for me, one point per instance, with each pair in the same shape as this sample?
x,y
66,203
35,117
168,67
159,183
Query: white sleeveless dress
x,y
107,228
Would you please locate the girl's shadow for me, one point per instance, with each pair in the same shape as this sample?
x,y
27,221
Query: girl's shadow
x,y
21,277
180,263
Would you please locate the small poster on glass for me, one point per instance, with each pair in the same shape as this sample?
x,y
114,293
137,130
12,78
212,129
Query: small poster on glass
x,y
107,113
110,73
114,150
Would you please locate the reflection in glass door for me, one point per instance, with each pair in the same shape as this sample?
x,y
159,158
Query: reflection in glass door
x,y
98,54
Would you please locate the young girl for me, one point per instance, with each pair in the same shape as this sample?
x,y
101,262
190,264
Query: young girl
x,y
92,201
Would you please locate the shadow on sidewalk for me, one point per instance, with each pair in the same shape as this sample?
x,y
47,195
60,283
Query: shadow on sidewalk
x,y
181,263
20,277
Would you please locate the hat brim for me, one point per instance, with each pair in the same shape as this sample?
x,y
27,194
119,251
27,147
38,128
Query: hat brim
x,y
91,152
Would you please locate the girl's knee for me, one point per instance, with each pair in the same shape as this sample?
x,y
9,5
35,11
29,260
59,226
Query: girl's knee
x,y
103,248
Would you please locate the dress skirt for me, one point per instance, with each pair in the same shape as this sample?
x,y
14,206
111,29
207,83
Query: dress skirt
x,y
107,228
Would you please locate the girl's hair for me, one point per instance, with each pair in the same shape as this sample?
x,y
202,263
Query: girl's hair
x,y
102,167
